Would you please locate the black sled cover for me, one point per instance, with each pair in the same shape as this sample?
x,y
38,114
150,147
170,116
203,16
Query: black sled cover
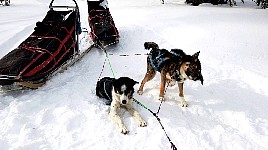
x,y
103,30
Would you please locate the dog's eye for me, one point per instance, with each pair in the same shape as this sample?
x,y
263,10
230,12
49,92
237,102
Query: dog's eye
x,y
130,96
119,92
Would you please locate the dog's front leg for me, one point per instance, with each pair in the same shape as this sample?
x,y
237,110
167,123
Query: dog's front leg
x,y
136,115
116,119
181,96
162,86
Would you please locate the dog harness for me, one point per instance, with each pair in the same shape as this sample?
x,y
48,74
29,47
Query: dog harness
x,y
158,61
107,102
158,58
176,54
178,77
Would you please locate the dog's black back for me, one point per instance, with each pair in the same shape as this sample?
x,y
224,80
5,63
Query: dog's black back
x,y
177,54
104,88
106,85
158,57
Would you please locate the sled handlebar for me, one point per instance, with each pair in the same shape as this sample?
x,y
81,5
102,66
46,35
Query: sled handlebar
x,y
50,5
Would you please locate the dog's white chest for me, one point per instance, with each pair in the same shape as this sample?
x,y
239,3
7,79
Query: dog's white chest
x,y
182,78
182,75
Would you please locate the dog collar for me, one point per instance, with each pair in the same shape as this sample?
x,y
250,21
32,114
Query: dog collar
x,y
178,76
178,72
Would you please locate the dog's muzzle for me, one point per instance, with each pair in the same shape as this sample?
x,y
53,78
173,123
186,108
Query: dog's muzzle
x,y
124,102
195,76
188,73
198,77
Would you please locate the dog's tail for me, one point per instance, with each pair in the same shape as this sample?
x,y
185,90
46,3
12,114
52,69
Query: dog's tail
x,y
151,45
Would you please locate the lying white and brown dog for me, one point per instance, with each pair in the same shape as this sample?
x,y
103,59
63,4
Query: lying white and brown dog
x,y
119,93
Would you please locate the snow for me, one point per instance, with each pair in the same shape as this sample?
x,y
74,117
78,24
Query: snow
x,y
228,112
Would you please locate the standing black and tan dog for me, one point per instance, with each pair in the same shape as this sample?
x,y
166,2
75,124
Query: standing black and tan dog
x,y
119,93
173,66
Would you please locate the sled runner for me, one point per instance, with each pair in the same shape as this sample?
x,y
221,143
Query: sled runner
x,y
52,45
103,30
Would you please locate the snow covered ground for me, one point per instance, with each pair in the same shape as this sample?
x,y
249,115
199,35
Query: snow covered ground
x,y
228,112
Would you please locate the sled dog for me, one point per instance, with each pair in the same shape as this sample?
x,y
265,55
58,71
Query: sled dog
x,y
173,66
119,93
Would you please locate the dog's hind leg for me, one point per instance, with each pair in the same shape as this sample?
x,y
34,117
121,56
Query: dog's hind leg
x,y
181,96
150,74
136,116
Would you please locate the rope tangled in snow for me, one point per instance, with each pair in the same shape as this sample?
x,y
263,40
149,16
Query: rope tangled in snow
x,y
173,147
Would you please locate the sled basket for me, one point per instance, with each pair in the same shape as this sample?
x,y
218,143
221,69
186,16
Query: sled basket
x,y
52,44
103,30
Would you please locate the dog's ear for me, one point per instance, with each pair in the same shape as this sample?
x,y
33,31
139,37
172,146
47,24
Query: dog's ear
x,y
133,82
195,55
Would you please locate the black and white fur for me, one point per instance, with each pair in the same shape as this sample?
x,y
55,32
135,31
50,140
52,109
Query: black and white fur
x,y
119,93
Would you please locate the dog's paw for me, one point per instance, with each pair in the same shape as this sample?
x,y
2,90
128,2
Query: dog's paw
x,y
161,99
124,130
183,102
142,123
140,92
